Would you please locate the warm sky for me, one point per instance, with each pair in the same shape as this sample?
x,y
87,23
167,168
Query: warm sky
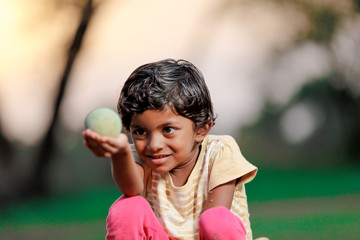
x,y
234,49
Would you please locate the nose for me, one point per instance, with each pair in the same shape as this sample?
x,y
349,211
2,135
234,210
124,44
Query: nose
x,y
155,142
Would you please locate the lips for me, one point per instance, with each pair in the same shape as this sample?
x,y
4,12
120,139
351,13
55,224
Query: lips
x,y
158,159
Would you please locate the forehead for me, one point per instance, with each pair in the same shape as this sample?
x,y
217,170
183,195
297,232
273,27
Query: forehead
x,y
159,117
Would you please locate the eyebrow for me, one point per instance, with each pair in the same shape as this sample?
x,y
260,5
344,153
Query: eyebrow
x,y
162,125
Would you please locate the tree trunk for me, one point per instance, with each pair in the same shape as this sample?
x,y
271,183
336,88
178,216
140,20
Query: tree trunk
x,y
6,150
37,184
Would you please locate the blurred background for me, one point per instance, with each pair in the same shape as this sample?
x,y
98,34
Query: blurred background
x,y
284,78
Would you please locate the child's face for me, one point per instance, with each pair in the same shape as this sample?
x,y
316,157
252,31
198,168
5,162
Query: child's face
x,y
165,140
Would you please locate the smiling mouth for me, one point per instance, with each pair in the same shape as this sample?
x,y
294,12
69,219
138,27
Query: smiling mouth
x,y
158,160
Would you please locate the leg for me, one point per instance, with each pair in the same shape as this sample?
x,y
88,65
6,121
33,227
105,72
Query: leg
x,y
220,223
133,218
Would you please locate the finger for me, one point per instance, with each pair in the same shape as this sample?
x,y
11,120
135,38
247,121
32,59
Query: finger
x,y
118,142
109,148
88,133
93,143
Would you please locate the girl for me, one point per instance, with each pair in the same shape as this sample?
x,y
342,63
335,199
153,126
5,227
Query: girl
x,y
178,182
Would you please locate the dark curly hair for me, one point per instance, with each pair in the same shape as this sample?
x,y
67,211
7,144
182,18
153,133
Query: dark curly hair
x,y
178,84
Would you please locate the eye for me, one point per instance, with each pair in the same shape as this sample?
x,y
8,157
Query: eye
x,y
139,132
168,130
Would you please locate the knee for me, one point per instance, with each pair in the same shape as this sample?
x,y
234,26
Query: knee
x,y
128,209
126,217
220,221
125,203
215,217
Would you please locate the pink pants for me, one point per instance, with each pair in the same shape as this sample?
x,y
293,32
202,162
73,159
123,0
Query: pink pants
x,y
133,218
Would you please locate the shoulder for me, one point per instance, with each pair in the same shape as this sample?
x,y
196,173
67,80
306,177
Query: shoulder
x,y
211,138
225,147
221,144
221,140
228,162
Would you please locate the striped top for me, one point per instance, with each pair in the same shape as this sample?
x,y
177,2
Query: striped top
x,y
179,208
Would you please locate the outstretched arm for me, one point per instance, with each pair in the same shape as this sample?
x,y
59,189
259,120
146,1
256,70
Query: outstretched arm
x,y
127,175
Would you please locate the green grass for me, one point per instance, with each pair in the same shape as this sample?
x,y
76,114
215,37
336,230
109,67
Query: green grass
x,y
84,206
343,225
270,184
284,204
331,217
77,216
306,203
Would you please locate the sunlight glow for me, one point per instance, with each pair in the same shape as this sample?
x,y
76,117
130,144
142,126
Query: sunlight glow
x,y
234,46
32,46
301,121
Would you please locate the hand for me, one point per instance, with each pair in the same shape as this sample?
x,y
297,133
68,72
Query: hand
x,y
104,146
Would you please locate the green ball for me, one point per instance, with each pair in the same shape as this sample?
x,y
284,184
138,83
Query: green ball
x,y
104,121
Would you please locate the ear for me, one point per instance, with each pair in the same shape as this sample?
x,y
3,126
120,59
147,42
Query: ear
x,y
202,131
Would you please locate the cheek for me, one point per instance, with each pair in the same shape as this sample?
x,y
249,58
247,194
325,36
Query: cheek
x,y
184,147
139,146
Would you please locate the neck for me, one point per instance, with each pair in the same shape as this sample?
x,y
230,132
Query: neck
x,y
180,174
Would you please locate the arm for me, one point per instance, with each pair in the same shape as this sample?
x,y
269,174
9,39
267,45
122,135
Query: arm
x,y
127,175
221,195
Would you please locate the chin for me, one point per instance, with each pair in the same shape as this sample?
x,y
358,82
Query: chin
x,y
160,170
